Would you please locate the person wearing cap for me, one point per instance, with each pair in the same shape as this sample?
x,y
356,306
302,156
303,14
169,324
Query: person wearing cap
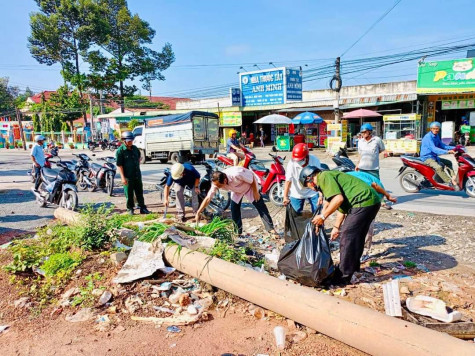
x,y
357,204
431,147
128,162
233,146
369,149
241,182
38,158
183,176
298,194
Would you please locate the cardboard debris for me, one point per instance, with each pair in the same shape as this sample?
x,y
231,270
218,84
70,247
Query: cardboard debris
x,y
432,307
143,261
392,300
178,320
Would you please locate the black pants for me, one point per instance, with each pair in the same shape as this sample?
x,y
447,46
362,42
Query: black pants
x,y
261,209
352,238
37,177
134,185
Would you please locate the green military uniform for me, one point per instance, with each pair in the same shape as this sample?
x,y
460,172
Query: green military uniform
x,y
130,161
361,203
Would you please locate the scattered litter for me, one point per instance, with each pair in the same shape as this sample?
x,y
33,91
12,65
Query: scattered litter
x,y
422,268
192,310
392,300
282,277
83,314
133,303
432,307
371,270
272,258
21,303
298,336
118,244
179,237
38,271
118,257
103,323
173,329
105,297
163,310
3,328
340,292
279,334
144,259
173,320
252,229
403,277
462,330
4,246
172,346
164,286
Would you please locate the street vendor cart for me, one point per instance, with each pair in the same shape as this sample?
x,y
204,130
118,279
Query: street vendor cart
x,y
402,133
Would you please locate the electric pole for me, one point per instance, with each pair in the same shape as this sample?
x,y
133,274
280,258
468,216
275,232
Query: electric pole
x,y
335,85
92,117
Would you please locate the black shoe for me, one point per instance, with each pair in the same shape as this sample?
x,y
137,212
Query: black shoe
x,y
144,211
130,211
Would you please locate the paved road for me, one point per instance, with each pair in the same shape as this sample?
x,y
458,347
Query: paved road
x,y
19,211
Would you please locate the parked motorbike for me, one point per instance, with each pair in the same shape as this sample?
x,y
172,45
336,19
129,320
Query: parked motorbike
x,y
113,145
58,186
223,161
343,163
415,175
271,181
92,176
92,145
218,204
52,153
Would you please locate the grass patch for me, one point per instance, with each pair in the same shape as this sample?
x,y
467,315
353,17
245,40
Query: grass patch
x,y
409,264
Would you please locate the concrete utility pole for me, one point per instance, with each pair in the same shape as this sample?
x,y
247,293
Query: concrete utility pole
x,y
92,117
22,134
336,86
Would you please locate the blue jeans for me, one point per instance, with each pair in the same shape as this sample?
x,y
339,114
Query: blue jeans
x,y
298,204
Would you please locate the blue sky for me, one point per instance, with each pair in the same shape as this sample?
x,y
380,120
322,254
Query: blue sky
x,y
213,39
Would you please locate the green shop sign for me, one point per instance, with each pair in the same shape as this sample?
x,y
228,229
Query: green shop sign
x,y
455,76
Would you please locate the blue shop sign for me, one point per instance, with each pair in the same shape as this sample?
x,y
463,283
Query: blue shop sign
x,y
263,87
235,96
294,84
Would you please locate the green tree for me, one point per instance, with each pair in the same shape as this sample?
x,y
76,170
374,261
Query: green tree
x,y
138,102
133,124
8,96
123,38
60,32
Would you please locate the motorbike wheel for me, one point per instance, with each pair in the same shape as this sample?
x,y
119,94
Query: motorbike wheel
x,y
222,199
91,187
276,193
110,184
69,200
405,180
81,183
92,148
112,148
470,186
41,202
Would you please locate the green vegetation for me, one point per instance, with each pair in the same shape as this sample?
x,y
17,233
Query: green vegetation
x,y
373,264
85,296
61,264
152,232
221,229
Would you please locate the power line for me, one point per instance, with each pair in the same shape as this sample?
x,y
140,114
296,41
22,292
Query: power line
x,y
372,26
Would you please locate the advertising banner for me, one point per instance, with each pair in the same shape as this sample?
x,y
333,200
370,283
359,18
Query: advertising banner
x,y
235,94
458,104
271,86
454,76
230,119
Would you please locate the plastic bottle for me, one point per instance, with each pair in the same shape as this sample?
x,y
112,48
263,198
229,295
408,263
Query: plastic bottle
x,y
279,334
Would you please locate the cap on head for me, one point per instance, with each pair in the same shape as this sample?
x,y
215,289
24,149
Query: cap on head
x,y
366,127
39,138
307,173
177,170
435,124
299,152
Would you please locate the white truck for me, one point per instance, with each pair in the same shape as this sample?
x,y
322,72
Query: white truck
x,y
191,136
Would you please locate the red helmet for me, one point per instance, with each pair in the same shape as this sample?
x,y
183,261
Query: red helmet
x,y
299,152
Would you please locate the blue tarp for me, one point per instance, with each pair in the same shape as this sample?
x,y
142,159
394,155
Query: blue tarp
x,y
168,120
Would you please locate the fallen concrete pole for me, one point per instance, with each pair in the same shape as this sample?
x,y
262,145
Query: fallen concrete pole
x,y
67,216
360,327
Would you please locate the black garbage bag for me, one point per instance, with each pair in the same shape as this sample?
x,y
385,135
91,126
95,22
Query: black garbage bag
x,y
295,223
307,260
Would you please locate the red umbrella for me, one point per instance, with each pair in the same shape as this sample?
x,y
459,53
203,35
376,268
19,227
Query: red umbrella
x,y
360,113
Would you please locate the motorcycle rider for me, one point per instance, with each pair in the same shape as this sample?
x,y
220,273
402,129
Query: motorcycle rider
x,y
369,148
357,204
298,194
431,147
38,159
182,176
128,161
233,146
241,182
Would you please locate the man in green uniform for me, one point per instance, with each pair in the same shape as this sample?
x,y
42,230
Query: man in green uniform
x,y
128,161
357,204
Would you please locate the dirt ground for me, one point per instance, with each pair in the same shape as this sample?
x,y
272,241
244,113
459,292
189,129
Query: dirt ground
x,y
442,248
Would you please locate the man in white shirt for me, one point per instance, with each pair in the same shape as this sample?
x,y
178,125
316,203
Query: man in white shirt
x,y
369,148
38,159
298,194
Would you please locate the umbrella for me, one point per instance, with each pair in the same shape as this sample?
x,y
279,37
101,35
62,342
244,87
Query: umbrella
x,y
306,118
360,113
274,119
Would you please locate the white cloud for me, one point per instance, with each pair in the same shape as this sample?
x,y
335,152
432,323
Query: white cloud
x,y
237,50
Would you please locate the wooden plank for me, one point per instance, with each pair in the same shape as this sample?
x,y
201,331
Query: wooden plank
x,y
459,330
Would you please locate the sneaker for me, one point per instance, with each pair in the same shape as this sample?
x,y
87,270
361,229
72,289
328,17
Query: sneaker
x,y
130,211
144,211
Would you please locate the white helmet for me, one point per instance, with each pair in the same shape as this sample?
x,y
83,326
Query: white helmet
x,y
40,138
177,170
